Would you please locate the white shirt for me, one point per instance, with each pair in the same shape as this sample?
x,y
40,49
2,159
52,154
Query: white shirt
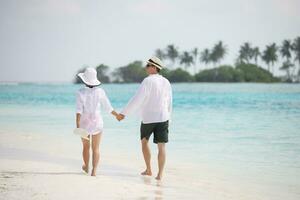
x,y
89,102
152,101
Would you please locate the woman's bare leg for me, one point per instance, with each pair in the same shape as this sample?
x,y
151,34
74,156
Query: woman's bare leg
x,y
95,148
85,154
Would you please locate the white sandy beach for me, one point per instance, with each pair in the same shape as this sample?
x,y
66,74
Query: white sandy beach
x,y
35,166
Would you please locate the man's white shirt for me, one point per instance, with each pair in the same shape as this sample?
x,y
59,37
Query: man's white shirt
x,y
152,101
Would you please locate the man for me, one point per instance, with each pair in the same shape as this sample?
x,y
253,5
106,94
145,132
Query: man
x,y
153,101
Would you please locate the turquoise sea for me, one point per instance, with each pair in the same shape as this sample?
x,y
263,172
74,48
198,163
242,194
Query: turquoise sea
x,y
250,131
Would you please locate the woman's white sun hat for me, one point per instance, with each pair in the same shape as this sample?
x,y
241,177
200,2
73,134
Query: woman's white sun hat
x,y
156,62
89,77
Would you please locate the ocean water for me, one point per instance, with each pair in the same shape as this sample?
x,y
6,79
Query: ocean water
x,y
246,131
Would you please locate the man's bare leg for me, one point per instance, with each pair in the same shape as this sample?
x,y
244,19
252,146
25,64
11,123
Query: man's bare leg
x,y
147,157
96,154
161,160
85,154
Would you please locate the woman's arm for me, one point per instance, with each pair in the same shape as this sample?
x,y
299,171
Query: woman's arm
x,y
114,113
117,115
79,109
78,115
107,106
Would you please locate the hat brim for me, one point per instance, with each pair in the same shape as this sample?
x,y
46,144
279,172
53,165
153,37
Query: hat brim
x,y
156,65
87,82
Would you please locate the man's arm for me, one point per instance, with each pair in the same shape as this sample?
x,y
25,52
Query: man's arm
x,y
170,101
136,101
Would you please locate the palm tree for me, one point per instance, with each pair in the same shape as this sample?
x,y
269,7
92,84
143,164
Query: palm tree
x,y
160,54
172,53
186,59
195,56
218,53
285,49
270,55
255,54
296,49
246,52
205,56
286,67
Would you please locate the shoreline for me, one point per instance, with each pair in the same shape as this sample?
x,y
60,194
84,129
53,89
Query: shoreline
x,y
44,166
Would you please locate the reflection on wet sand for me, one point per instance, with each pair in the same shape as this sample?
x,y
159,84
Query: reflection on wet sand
x,y
158,191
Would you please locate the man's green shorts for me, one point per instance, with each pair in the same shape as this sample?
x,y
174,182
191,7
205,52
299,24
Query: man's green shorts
x,y
160,130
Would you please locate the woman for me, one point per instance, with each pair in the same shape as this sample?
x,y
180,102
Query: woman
x,y
89,101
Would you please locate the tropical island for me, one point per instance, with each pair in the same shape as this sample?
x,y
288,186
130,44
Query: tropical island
x,y
184,66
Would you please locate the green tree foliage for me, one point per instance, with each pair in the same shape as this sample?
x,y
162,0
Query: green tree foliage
x,y
218,53
205,56
286,66
255,54
245,53
186,59
254,73
160,54
172,53
285,49
102,71
195,53
296,49
132,73
241,73
270,55
177,75
224,73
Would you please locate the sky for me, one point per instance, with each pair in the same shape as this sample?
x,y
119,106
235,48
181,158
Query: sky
x,y
50,40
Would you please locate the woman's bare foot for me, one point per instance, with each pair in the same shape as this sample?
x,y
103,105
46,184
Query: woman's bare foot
x,y
146,173
85,168
158,177
93,172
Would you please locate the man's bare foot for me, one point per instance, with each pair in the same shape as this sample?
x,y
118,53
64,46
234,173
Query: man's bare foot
x,y
158,177
146,173
85,169
93,172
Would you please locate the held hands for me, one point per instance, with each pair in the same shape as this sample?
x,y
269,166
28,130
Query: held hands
x,y
120,117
